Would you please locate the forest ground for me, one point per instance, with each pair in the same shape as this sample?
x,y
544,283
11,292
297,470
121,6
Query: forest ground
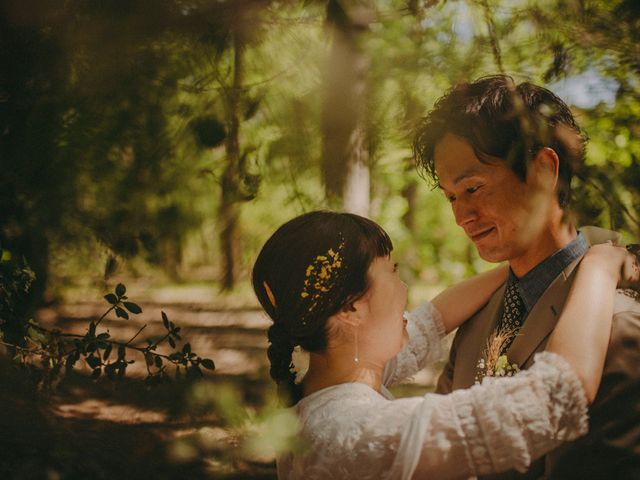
x,y
124,429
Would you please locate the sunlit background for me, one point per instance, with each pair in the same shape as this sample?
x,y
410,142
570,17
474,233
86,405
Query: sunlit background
x,y
158,143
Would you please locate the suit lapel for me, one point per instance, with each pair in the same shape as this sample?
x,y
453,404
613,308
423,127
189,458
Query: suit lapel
x,y
542,319
477,328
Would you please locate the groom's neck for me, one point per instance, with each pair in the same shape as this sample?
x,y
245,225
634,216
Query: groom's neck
x,y
547,242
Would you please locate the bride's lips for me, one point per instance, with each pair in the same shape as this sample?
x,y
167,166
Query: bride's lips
x,y
479,235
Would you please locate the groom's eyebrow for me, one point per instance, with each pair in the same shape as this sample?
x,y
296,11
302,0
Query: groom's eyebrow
x,y
472,172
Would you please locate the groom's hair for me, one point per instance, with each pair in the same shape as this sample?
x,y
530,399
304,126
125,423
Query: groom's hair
x,y
501,119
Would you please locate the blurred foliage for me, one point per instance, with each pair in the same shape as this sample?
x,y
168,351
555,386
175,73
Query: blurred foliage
x,y
184,132
180,133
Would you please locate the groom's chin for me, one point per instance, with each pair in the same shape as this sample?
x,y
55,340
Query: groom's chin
x,y
491,254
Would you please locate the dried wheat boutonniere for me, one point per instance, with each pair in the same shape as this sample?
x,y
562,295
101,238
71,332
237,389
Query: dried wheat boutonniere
x,y
493,363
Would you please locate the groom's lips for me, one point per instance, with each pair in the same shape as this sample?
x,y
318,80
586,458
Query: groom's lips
x,y
477,236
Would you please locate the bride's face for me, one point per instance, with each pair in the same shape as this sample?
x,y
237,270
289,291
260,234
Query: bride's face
x,y
382,333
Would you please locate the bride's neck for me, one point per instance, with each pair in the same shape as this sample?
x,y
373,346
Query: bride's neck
x,y
338,365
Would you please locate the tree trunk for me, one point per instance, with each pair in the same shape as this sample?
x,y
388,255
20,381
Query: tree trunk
x,y
229,212
345,151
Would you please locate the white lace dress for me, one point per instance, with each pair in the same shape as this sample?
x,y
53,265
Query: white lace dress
x,y
352,431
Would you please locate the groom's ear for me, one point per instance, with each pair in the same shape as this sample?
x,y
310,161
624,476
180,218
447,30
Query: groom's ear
x,y
545,167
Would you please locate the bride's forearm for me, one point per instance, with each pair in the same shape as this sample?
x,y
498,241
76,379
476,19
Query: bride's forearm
x,y
460,301
582,333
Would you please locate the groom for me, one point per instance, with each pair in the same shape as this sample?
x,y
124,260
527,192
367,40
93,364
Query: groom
x,y
504,154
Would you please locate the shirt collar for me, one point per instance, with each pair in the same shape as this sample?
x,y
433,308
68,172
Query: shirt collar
x,y
533,284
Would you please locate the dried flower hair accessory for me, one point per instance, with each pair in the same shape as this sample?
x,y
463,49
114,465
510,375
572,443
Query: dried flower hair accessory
x,y
270,296
321,276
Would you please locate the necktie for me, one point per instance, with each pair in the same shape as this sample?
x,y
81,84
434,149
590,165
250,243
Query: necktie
x,y
512,315
492,362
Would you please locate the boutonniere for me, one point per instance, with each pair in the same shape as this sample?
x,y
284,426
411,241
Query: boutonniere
x,y
494,363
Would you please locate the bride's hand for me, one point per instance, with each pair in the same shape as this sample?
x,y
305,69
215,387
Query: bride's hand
x,y
611,260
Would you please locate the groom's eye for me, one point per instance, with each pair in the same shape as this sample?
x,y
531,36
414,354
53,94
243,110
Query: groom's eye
x,y
472,189
451,198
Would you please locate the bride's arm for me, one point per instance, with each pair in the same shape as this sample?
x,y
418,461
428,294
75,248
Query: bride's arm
x,y
589,311
503,424
460,301
431,321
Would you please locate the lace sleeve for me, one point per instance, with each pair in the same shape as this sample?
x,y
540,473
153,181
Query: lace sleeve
x,y
426,331
502,424
497,426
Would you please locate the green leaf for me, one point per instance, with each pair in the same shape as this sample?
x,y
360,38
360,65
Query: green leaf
x,y
208,364
172,342
111,298
122,313
107,352
149,359
122,351
36,335
92,329
93,362
158,361
120,289
103,336
71,360
165,320
132,307
186,348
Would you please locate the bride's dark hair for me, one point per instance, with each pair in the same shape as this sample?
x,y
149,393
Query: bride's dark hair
x,y
311,268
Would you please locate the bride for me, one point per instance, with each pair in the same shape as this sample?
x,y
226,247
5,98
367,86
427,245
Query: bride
x,y
328,283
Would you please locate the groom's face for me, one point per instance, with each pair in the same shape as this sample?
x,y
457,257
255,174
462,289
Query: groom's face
x,y
502,215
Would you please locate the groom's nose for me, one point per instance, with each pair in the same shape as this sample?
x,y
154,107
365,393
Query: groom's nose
x,y
464,212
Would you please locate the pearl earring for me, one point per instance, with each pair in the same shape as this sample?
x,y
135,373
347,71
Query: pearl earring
x,y
356,358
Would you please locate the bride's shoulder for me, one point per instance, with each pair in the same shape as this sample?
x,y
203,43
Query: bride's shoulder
x,y
344,394
334,405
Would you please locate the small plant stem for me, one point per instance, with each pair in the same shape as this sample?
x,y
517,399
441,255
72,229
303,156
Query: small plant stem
x,y
138,333
105,314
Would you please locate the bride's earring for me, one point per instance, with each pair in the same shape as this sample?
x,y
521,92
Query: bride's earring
x,y
356,358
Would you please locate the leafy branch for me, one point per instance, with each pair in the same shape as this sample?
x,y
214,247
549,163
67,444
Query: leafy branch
x,y
103,354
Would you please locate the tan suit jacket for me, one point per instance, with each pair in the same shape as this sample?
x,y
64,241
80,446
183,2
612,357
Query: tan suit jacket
x,y
613,443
